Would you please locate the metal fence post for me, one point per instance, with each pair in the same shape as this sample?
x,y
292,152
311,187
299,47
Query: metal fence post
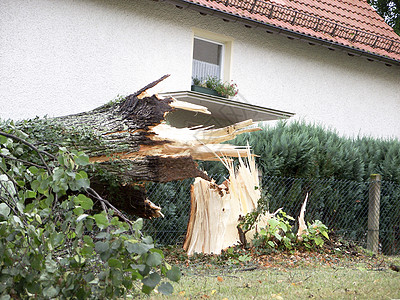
x,y
373,212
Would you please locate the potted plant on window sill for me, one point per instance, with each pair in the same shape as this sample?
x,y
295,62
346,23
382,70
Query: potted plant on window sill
x,y
214,86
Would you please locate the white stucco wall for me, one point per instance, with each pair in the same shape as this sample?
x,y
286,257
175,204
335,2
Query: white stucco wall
x,y
60,57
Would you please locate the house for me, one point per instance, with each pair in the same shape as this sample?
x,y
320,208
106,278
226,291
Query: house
x,y
330,62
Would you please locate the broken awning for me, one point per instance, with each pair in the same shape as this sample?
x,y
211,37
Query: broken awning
x,y
223,111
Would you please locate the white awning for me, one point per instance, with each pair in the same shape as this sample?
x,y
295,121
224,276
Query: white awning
x,y
225,111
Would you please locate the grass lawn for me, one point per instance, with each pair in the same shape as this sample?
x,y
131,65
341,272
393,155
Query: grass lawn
x,y
305,275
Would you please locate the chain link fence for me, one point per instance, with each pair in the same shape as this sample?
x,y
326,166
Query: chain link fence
x,y
342,205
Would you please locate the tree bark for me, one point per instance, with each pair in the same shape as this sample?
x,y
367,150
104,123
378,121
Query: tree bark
x,y
131,141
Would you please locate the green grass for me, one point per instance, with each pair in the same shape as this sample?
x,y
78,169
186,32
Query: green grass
x,y
367,278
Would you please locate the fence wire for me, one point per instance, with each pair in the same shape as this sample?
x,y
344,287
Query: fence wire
x,y
342,205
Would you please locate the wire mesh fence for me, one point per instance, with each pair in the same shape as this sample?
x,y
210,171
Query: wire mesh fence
x,y
342,205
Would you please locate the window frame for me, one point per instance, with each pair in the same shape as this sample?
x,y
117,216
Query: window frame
x,y
222,55
226,51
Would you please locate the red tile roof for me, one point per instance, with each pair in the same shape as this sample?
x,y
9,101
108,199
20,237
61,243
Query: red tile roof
x,y
352,23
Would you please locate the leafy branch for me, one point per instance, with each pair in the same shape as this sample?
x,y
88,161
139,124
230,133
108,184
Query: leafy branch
x,y
55,242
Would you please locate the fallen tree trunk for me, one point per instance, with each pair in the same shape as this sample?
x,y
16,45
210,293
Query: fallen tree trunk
x,y
130,141
135,144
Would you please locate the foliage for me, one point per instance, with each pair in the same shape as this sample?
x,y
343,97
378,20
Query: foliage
x,y
389,11
298,158
277,234
55,241
303,150
224,89
314,234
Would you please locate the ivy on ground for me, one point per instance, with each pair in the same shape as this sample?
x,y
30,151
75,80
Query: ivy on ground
x,y
59,238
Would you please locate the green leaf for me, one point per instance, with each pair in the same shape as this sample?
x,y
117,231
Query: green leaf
x,y
87,250
36,261
116,277
278,236
101,247
35,185
128,284
137,248
50,292
146,289
88,240
78,211
89,277
166,288
82,159
21,183
114,263
33,170
152,280
51,265
83,201
273,222
319,241
174,274
3,139
101,220
148,240
138,224
325,234
103,235
79,229
33,288
154,259
82,180
4,210
30,194
56,239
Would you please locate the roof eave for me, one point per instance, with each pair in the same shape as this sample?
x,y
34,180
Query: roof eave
x,y
287,32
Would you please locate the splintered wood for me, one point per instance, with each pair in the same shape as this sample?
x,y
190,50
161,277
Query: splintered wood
x,y
131,141
302,222
215,209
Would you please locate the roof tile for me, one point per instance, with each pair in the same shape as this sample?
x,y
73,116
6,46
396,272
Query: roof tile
x,y
352,23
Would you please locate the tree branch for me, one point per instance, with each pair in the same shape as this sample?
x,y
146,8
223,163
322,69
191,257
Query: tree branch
x,y
40,152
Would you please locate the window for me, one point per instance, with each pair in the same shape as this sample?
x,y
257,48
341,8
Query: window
x,y
207,59
211,55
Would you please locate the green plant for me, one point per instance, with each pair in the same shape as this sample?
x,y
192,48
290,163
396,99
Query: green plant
x,y
334,169
196,81
235,255
224,89
54,241
314,235
277,234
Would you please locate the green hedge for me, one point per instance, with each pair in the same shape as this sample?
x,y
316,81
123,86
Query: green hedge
x,y
303,150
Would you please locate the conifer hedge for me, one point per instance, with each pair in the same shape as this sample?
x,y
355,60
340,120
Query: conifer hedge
x,y
341,166
304,150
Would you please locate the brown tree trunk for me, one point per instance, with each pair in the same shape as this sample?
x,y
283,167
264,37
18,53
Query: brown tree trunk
x,y
130,141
